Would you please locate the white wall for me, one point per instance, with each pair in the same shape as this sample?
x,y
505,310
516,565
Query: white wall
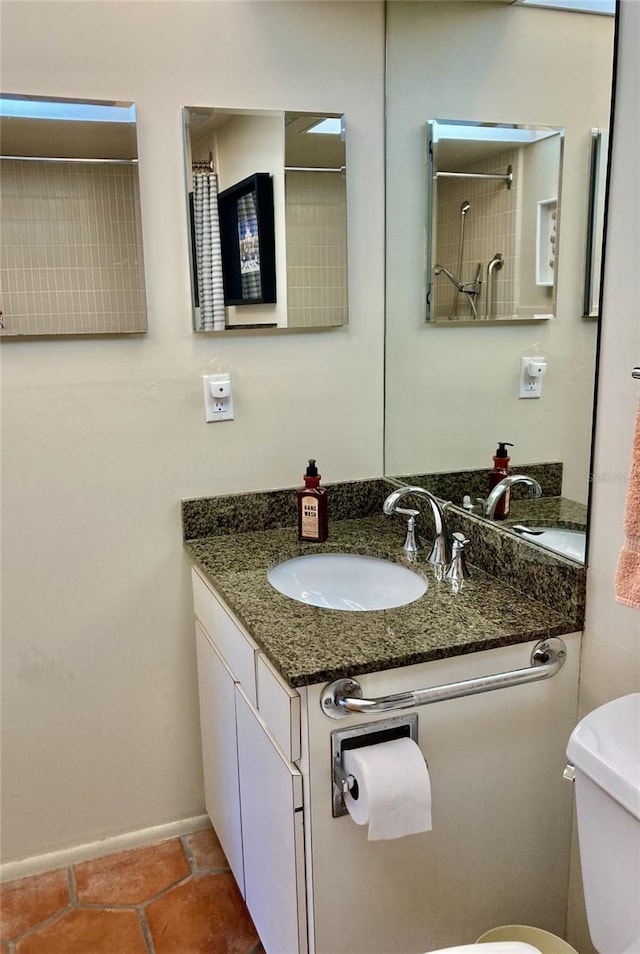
x,y
452,391
611,645
101,438
246,145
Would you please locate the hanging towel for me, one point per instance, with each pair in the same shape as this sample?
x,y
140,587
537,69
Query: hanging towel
x,y
208,251
628,571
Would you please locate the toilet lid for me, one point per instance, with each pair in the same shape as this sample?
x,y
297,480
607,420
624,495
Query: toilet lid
x,y
493,947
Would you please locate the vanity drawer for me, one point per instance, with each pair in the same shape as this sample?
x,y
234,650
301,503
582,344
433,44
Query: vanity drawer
x,y
236,648
279,708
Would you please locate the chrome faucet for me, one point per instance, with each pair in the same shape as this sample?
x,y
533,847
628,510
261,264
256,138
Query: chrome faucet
x,y
489,505
440,555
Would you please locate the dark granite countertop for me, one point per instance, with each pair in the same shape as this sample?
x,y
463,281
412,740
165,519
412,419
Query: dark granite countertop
x,y
548,512
308,644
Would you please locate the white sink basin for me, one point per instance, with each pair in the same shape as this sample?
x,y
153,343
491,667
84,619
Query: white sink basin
x,y
568,543
346,581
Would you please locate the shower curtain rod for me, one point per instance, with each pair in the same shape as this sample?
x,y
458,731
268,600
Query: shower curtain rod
x,y
116,162
204,163
313,169
508,178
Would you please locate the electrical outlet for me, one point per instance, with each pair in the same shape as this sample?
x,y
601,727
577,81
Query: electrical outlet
x,y
530,387
218,400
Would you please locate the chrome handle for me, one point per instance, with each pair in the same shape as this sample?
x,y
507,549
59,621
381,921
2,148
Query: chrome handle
x,y
344,696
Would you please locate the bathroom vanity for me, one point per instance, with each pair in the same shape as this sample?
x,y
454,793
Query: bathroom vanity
x,y
499,849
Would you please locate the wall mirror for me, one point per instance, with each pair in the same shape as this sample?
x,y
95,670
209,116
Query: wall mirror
x,y
72,258
267,198
452,392
493,191
595,221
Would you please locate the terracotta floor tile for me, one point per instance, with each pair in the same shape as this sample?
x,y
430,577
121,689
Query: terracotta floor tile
x,y
131,877
204,915
29,901
88,932
206,849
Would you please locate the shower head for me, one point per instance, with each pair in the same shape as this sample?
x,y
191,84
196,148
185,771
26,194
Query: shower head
x,y
464,208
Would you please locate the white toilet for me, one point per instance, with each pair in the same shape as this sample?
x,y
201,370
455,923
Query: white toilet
x,y
499,947
604,749
491,947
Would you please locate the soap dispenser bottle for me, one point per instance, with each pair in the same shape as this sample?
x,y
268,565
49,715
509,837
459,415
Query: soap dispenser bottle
x,y
499,472
312,507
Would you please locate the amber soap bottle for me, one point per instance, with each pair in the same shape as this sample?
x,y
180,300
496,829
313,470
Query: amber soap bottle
x,y
499,472
312,507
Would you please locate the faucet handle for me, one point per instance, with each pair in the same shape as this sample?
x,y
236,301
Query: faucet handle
x,y
458,569
412,543
407,511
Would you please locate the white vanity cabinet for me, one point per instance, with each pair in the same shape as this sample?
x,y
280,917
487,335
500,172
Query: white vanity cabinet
x,y
253,791
314,884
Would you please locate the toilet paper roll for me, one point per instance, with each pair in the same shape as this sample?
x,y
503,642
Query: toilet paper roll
x,y
394,789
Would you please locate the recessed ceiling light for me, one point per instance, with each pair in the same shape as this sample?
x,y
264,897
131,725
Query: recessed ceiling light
x,y
331,126
21,108
603,7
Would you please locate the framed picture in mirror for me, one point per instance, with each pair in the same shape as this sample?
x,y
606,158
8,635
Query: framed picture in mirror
x,y
248,241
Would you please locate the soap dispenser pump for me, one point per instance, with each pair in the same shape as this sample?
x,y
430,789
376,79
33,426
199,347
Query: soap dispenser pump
x,y
499,471
312,507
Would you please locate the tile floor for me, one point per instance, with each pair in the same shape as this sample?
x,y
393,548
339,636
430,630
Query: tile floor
x,y
175,897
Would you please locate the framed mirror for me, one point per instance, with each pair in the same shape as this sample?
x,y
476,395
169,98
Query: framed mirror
x,y
72,261
267,198
493,218
453,393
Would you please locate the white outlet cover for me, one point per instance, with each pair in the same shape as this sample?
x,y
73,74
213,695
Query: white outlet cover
x,y
529,387
217,408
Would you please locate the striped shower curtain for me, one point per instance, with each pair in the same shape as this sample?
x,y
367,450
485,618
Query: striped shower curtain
x,y
208,254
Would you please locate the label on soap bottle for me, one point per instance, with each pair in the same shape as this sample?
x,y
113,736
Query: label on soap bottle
x,y
310,525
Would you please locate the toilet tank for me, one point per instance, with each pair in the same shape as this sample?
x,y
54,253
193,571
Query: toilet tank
x,y
605,750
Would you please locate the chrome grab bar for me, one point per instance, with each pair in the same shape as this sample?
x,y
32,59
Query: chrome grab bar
x,y
635,372
344,696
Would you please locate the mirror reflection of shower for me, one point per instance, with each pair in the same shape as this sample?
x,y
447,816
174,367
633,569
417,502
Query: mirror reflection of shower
x,y
492,190
464,208
470,289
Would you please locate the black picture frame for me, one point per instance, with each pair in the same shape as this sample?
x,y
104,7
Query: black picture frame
x,y
247,238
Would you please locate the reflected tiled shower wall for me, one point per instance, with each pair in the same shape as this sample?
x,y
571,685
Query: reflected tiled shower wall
x,y
316,249
72,249
491,226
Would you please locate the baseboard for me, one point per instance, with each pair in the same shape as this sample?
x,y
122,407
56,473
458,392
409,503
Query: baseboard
x,y
38,864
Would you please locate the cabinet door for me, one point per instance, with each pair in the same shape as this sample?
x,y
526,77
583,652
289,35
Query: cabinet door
x,y
272,832
219,752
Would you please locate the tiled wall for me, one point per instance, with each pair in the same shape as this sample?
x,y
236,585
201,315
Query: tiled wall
x,y
491,226
72,249
316,213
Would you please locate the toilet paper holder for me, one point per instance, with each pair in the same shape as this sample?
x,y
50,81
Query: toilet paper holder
x,y
386,730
